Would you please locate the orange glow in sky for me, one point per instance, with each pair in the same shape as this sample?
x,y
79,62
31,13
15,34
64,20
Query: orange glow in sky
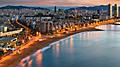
x,y
59,2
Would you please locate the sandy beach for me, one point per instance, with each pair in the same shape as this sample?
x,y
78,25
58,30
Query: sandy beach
x,y
14,61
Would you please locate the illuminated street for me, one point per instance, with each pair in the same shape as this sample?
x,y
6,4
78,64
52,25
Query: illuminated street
x,y
59,33
92,48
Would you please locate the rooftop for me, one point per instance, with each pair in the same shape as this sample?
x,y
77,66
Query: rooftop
x,y
6,39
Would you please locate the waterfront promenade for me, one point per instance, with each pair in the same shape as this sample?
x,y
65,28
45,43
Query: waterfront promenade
x,y
13,59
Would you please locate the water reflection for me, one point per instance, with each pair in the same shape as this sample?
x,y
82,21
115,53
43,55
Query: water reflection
x,y
57,49
90,35
22,63
34,60
25,62
86,49
66,42
38,58
71,44
30,63
109,27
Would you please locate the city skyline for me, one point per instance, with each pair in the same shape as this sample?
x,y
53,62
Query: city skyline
x,y
59,33
58,2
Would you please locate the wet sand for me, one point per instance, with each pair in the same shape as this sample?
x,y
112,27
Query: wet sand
x,y
14,61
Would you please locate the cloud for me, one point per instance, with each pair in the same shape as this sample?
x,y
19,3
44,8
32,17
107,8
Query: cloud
x,y
59,2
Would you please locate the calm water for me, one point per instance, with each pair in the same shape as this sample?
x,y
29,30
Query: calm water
x,y
86,49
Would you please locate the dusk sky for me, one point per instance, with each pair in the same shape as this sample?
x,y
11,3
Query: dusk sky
x,y
58,2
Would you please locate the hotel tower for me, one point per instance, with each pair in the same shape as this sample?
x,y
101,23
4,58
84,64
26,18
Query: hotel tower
x,y
110,11
116,11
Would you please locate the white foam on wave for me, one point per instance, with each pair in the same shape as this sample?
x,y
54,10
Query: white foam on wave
x,y
45,48
38,51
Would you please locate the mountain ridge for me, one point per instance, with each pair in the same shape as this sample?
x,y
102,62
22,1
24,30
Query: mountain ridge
x,y
22,7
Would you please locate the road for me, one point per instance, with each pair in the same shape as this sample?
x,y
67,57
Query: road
x,y
19,51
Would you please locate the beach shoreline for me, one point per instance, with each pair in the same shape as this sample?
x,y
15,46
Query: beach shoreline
x,y
13,62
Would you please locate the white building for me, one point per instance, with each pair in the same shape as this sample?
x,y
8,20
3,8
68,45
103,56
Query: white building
x,y
3,29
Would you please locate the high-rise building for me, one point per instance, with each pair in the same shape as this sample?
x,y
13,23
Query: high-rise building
x,y
98,12
110,11
116,11
55,9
